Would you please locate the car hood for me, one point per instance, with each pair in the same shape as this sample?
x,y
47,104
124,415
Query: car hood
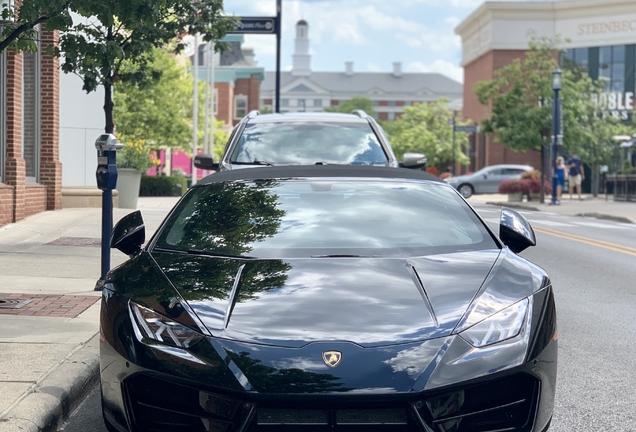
x,y
366,301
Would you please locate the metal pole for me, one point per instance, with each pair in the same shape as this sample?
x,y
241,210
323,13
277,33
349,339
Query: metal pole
x,y
279,24
212,99
453,163
207,98
195,107
107,227
556,130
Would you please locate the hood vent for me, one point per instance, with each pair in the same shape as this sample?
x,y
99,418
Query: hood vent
x,y
420,287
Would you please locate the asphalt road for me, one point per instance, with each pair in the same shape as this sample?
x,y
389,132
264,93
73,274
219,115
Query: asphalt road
x,y
592,267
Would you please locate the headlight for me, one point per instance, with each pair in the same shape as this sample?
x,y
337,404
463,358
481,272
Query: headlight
x,y
499,327
161,329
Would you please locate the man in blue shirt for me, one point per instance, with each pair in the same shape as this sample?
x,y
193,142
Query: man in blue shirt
x,y
576,174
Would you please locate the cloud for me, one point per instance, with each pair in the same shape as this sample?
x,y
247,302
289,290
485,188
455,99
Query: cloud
x,y
445,68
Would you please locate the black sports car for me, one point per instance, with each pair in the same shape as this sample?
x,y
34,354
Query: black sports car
x,y
326,298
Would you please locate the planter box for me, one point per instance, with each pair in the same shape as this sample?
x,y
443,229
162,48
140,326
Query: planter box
x,y
128,183
515,197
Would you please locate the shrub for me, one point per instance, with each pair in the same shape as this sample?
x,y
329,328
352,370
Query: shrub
x,y
530,182
163,186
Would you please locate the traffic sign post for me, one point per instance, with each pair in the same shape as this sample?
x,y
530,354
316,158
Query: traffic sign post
x,y
466,129
265,25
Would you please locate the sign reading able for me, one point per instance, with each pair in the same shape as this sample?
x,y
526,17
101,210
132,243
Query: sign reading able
x,y
255,25
469,129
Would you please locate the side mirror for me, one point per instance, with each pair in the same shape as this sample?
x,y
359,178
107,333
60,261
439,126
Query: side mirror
x,y
515,231
206,162
129,234
414,161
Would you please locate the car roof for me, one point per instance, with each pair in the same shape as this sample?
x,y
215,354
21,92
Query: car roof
x,y
307,117
509,166
320,171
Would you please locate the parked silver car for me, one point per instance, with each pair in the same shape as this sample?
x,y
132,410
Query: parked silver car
x,y
487,179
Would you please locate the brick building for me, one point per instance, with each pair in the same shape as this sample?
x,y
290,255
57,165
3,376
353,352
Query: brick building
x,y
30,170
237,80
599,38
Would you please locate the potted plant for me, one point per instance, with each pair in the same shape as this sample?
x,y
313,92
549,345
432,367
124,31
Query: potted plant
x,y
133,160
514,188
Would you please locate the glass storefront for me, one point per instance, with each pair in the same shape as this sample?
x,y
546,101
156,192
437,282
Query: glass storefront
x,y
613,67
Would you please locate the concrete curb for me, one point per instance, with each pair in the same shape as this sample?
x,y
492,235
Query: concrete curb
x,y
607,217
513,205
54,397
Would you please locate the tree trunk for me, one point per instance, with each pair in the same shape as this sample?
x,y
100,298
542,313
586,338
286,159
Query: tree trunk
x,y
542,190
595,179
108,107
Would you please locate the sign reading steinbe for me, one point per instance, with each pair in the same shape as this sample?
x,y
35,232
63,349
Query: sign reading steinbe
x,y
255,25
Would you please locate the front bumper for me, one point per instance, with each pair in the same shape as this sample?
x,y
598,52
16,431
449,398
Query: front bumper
x,y
227,386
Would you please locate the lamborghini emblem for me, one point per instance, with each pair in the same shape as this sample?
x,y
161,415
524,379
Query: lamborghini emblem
x,y
332,358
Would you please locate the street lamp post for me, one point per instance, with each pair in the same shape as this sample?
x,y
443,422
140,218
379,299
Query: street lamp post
x,y
557,84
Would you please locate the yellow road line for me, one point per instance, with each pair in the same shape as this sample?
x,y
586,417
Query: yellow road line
x,y
586,240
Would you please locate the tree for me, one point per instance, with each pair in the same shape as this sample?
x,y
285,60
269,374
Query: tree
x,y
19,35
427,128
357,103
115,40
158,112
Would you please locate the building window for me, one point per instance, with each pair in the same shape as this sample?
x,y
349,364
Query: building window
x,y
391,103
284,102
611,67
391,116
301,103
31,114
240,106
3,115
318,103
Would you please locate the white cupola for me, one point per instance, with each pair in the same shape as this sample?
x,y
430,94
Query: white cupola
x,y
301,57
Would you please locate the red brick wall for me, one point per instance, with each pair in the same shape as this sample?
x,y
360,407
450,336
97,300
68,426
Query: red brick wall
x,y
482,69
35,197
225,102
251,87
6,204
17,199
50,165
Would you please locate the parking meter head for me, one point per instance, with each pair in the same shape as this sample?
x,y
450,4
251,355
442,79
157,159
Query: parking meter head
x,y
107,142
129,234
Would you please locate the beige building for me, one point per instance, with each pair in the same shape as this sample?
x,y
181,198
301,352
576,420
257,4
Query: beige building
x,y
600,36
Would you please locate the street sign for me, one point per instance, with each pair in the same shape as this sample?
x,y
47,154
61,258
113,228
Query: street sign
x,y
255,25
469,129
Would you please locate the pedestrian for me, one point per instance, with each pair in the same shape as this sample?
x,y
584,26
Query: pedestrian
x,y
576,174
560,175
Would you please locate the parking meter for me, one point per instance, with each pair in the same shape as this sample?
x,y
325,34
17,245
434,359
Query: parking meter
x,y
106,173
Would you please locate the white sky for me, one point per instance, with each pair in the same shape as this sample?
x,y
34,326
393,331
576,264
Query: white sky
x,y
371,33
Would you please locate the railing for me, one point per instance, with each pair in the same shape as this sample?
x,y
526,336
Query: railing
x,y
622,186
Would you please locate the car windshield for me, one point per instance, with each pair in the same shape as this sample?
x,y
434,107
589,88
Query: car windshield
x,y
323,218
309,143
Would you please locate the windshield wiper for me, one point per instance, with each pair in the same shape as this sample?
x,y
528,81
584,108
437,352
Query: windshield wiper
x,y
202,252
255,162
343,256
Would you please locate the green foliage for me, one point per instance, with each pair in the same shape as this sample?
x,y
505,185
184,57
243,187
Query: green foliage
x,y
519,95
95,48
357,103
426,128
163,186
20,35
136,154
159,112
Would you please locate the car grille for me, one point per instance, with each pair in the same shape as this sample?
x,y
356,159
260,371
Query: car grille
x,y
506,404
